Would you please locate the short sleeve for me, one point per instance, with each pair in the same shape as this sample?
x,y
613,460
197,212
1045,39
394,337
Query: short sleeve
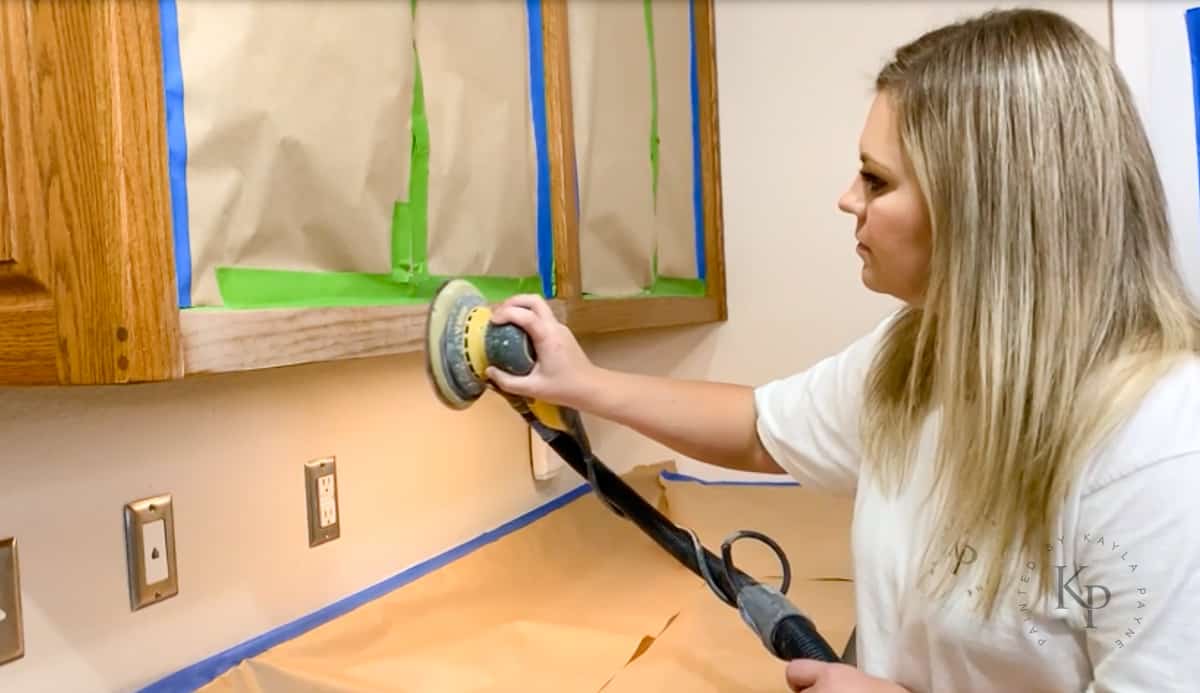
x,y
1135,588
809,422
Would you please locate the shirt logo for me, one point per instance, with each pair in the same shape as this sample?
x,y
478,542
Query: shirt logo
x,y
1104,593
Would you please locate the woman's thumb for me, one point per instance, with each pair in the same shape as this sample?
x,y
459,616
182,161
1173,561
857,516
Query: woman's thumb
x,y
801,674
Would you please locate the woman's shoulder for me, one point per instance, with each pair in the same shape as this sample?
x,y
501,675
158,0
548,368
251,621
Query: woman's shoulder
x,y
1165,425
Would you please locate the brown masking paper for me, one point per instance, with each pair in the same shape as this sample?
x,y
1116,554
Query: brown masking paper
x,y
674,214
580,600
297,116
813,528
707,649
611,100
482,158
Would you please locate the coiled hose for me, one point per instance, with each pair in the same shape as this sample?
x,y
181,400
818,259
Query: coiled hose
x,y
786,633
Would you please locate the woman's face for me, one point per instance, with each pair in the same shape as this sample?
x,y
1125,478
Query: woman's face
x,y
891,221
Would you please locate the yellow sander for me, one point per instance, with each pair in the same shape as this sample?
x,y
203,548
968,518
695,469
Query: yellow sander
x,y
461,342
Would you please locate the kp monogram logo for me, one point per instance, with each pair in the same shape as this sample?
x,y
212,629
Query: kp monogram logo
x,y
1088,589
1089,604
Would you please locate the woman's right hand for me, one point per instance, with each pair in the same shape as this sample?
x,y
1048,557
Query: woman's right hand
x,y
711,422
563,374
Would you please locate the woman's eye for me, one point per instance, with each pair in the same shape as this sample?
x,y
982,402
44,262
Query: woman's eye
x,y
873,182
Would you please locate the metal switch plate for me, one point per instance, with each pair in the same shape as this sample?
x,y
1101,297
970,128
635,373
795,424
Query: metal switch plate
x,y
12,640
320,487
150,551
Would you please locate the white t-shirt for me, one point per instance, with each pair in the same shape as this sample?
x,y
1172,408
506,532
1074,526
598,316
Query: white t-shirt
x,y
1134,522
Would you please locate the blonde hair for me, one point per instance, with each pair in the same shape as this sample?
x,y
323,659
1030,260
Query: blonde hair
x,y
1053,301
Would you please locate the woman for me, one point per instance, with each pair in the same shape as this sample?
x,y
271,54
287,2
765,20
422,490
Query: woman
x,y
1022,436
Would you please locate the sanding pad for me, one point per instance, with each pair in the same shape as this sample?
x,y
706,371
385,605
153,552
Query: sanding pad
x,y
446,361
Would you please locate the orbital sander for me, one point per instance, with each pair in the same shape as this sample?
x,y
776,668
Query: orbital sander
x,y
461,342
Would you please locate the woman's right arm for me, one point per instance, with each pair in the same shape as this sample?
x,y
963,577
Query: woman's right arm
x,y
710,422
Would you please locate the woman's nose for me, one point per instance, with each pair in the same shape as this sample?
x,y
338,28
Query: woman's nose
x,y
851,201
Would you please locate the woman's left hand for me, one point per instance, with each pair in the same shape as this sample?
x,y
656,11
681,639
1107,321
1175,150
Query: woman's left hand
x,y
821,677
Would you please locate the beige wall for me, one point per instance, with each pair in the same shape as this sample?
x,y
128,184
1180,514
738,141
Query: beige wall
x,y
794,86
415,479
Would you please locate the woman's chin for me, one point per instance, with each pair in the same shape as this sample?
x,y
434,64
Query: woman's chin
x,y
868,277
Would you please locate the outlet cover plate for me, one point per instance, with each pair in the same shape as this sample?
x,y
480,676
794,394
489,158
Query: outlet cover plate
x,y
150,581
314,471
12,640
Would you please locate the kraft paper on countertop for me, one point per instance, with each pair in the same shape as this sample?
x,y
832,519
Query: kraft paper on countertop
x,y
580,600
611,101
298,139
674,213
474,60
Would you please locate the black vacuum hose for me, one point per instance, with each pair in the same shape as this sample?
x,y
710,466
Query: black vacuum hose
x,y
797,638
784,631
792,636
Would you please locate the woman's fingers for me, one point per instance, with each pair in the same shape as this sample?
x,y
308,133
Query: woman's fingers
x,y
803,674
532,302
524,318
507,381
560,361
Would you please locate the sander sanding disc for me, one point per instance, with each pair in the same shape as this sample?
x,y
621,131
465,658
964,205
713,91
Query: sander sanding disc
x,y
446,361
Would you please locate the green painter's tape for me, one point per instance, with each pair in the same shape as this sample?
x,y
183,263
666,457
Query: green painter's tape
x,y
654,140
418,186
410,222
673,286
648,10
267,288
664,287
402,243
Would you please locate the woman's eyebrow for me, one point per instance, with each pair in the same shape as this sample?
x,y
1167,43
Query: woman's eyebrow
x,y
868,159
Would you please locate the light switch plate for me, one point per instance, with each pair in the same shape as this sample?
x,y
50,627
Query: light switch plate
x,y
321,492
150,551
12,640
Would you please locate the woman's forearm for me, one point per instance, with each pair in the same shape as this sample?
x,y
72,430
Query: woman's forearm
x,y
710,422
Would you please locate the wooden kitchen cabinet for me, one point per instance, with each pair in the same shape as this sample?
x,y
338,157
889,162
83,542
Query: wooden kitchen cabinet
x,y
88,291
86,280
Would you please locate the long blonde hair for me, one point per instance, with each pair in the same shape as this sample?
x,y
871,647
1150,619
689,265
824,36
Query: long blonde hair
x,y
1053,301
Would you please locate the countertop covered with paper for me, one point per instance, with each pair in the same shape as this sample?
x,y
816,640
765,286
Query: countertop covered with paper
x,y
581,600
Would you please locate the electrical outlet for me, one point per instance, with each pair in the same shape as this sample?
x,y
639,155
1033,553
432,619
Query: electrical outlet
x,y
320,483
150,551
12,643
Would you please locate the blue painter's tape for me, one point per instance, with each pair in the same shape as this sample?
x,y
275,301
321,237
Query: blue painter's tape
x,y
177,152
676,476
537,95
204,672
697,170
1192,18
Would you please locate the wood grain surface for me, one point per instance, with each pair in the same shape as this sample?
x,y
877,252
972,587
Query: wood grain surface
x,y
220,341
87,199
710,155
560,128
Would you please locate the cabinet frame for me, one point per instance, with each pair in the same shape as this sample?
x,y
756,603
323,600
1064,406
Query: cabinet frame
x,y
588,316
87,281
87,285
